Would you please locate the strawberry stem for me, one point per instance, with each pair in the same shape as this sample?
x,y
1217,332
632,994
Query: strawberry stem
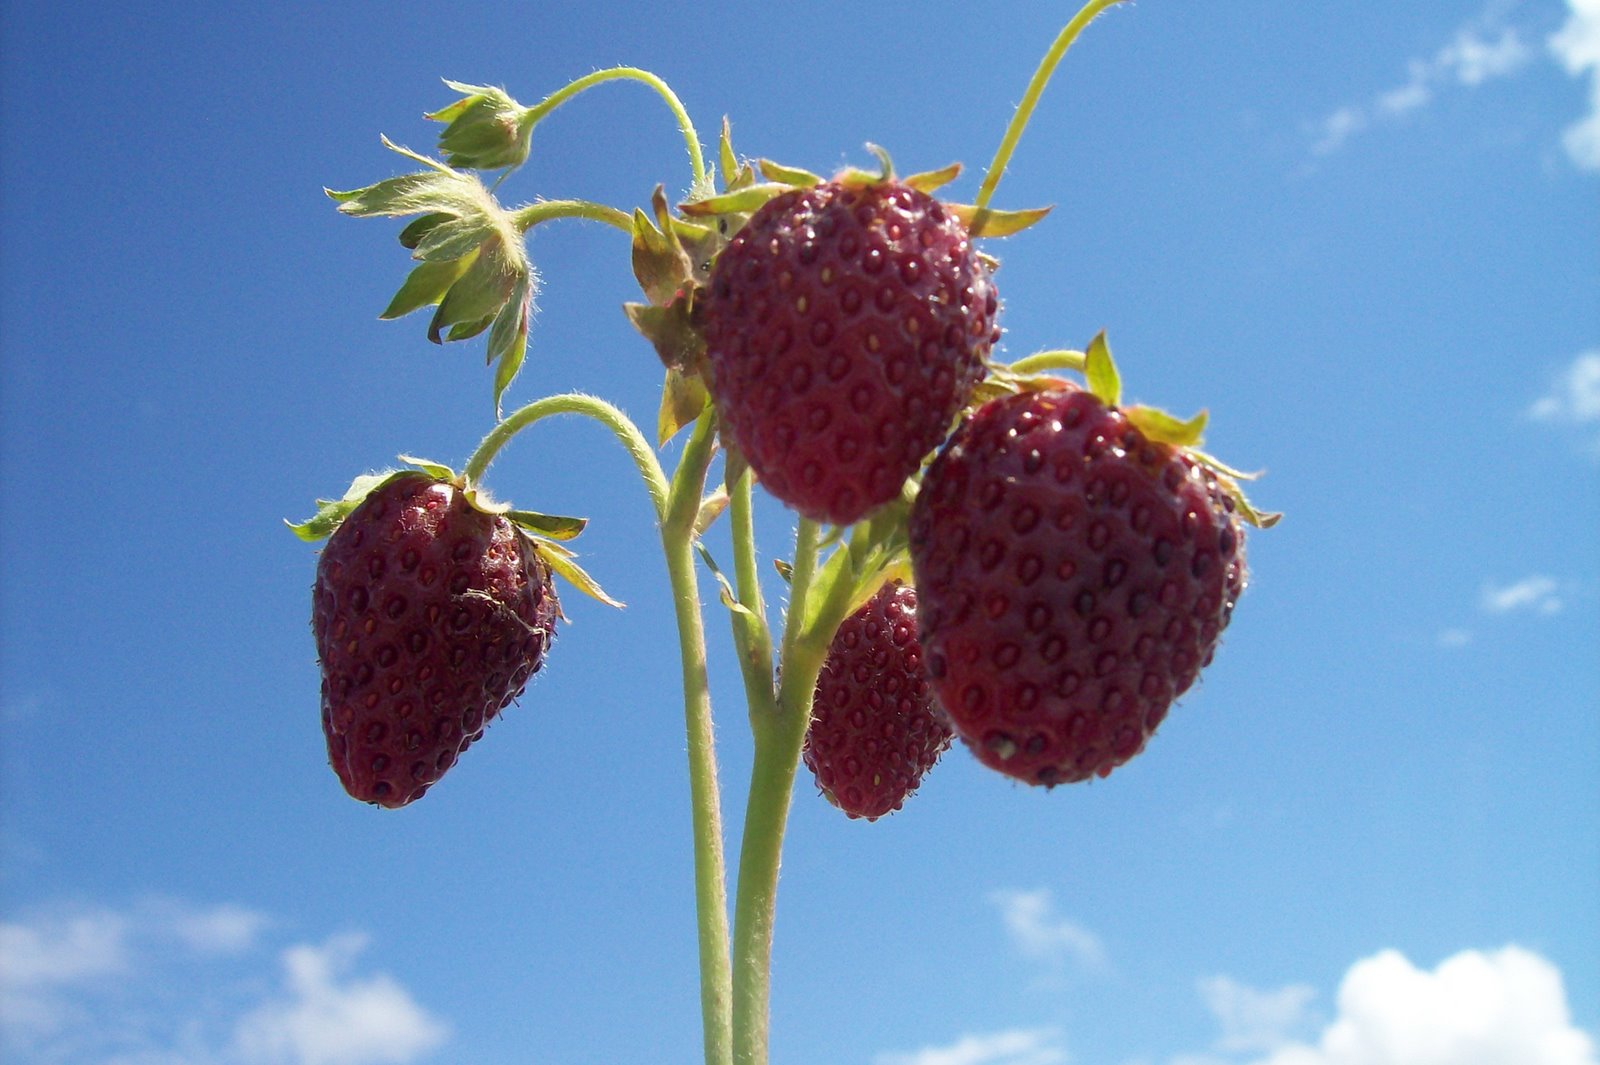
x,y
1030,98
545,210
589,81
676,519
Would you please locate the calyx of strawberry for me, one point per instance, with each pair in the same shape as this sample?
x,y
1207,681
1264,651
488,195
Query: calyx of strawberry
x,y
485,130
544,532
473,265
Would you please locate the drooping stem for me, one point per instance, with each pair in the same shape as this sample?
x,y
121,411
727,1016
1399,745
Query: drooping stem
x,y
588,81
677,535
545,210
1030,98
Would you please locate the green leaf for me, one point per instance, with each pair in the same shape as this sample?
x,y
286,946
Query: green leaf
x,y
683,397
792,176
549,526
424,286
987,222
1163,428
563,563
1101,371
929,180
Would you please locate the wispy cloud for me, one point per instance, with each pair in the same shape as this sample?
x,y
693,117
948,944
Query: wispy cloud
x,y
1573,400
1503,1007
1479,52
1538,593
1252,1019
1039,932
77,980
1577,46
1017,1046
1453,638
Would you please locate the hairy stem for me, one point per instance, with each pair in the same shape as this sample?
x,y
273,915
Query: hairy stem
x,y
751,636
588,81
677,538
1030,98
545,210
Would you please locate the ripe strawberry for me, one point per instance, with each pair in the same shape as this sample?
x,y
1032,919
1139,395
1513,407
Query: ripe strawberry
x,y
845,325
874,726
1075,577
430,615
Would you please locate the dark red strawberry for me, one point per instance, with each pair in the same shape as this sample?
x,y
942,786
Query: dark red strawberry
x,y
845,326
875,729
1075,578
430,615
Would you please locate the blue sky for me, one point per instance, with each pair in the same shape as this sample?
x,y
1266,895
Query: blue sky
x,y
1369,245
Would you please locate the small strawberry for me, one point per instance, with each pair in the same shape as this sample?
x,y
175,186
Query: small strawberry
x,y
845,326
875,729
430,615
1076,573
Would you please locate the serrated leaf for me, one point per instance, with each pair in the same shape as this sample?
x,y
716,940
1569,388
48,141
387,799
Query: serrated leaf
x,y
1101,372
424,286
929,180
987,222
549,526
563,563
682,399
738,201
792,176
1163,428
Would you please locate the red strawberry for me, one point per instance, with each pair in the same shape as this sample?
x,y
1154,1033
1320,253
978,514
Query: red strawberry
x,y
845,326
430,615
875,729
1075,577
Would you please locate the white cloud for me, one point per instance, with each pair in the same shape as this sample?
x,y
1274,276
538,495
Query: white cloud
x,y
1453,638
1253,1019
1536,593
1040,933
1504,1007
328,1019
1478,53
1018,1046
167,982
1577,46
1575,397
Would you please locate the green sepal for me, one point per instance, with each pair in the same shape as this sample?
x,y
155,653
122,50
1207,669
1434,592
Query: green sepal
x,y
725,590
785,569
437,470
671,330
1101,371
331,512
711,508
659,264
987,222
562,562
857,177
486,129
424,286
792,176
683,397
1163,428
737,201
929,180
726,160
1229,479
413,233
549,526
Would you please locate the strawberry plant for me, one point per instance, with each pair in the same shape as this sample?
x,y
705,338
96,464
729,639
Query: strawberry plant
x,y
982,550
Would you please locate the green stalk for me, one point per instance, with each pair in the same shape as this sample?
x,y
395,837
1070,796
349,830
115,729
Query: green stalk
x,y
545,210
588,81
677,536
1030,98
751,636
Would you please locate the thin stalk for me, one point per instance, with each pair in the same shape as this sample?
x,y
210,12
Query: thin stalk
x,y
751,636
677,535
545,210
588,81
1030,98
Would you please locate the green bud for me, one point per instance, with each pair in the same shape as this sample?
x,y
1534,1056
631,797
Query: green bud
x,y
486,129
